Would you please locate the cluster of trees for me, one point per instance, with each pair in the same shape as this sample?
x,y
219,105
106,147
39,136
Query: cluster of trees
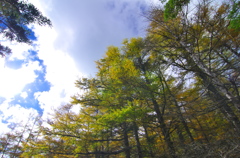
x,y
174,93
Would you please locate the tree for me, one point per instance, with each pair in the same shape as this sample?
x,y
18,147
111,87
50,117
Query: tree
x,y
15,16
234,15
203,46
133,107
174,93
173,7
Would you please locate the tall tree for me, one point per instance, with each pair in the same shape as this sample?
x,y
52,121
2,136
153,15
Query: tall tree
x,y
203,45
134,107
174,93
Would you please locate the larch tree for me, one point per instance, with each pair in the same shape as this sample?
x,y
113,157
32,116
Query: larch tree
x,y
202,44
172,94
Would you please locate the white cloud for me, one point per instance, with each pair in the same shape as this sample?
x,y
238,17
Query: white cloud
x,y
84,30
15,114
24,95
61,71
12,81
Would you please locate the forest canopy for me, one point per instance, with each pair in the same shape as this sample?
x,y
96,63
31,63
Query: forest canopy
x,y
174,93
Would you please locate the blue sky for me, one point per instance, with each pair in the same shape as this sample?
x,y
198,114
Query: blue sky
x,y
37,79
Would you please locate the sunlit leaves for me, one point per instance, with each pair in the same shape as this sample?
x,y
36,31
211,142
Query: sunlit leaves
x,y
170,94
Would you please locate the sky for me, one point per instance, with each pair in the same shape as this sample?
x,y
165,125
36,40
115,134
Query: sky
x,y
38,78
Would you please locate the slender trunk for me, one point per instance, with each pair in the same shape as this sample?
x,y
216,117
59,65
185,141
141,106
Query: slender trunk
x,y
164,129
202,129
139,149
107,143
4,146
224,107
200,69
184,123
126,142
150,144
160,118
179,112
180,135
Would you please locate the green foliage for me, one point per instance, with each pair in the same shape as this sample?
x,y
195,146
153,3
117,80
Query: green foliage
x,y
234,16
174,93
172,8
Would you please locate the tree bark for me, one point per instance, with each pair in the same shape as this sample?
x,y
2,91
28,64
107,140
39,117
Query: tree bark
x,y
148,141
135,130
126,142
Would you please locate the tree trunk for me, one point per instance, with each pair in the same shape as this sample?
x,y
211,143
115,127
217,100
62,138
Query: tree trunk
x,y
150,144
164,129
126,142
179,112
160,118
180,135
224,107
135,130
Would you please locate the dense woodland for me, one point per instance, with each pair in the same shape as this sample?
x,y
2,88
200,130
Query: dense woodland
x,y
174,93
